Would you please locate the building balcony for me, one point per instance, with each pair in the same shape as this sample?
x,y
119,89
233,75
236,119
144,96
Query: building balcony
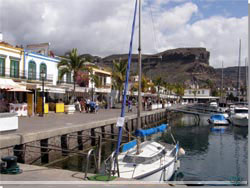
x,y
18,75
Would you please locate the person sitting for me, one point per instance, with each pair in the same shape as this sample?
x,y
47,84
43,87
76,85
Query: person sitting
x,y
83,105
77,105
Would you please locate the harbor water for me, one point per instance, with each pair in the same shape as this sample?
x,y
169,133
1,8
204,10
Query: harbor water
x,y
210,156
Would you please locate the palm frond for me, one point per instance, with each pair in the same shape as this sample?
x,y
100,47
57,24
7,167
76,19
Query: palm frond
x,y
62,72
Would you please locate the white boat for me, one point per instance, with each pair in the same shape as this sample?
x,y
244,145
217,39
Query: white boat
x,y
155,161
240,116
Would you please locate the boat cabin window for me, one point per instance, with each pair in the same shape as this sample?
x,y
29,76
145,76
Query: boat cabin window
x,y
241,111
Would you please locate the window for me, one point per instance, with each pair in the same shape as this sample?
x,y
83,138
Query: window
x,y
32,70
68,77
203,92
199,92
14,68
43,68
190,92
2,66
105,81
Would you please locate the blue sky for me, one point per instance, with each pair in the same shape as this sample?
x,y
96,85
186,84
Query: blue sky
x,y
208,8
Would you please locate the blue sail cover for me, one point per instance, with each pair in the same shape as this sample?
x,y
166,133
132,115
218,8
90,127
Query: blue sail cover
x,y
151,131
129,145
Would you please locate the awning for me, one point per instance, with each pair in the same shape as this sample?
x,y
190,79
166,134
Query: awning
x,y
55,90
20,89
8,84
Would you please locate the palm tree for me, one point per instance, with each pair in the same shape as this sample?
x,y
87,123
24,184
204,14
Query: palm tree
x,y
179,90
145,84
119,76
158,83
95,79
72,63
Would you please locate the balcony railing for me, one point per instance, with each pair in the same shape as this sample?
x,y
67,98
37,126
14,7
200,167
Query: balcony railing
x,y
22,75
64,81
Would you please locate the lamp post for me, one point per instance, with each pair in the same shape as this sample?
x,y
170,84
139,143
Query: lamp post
x,y
43,75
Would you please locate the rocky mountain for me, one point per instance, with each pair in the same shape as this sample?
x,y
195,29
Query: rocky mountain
x,y
230,75
181,65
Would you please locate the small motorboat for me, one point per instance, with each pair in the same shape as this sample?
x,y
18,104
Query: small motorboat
x,y
218,119
240,117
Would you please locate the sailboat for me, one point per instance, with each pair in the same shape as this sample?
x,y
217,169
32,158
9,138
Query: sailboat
x,y
148,160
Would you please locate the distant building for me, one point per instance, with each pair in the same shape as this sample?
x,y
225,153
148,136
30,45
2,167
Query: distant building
x,y
198,95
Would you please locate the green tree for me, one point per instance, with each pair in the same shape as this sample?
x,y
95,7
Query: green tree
x,y
158,83
119,76
72,63
144,84
179,90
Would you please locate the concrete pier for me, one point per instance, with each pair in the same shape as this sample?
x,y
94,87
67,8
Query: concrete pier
x,y
38,128
45,139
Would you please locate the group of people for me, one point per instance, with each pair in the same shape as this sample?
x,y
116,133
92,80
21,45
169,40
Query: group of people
x,y
86,105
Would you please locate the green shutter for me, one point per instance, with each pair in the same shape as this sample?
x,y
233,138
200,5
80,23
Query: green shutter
x,y
2,66
43,67
14,68
68,78
32,70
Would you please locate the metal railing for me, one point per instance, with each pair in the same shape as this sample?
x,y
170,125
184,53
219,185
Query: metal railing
x,y
22,75
87,165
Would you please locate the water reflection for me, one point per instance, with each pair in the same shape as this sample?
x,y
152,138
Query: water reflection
x,y
211,156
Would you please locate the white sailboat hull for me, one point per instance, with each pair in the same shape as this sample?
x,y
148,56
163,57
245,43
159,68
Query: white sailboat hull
x,y
238,121
162,174
161,169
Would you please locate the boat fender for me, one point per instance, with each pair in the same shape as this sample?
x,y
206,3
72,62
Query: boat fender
x,y
181,152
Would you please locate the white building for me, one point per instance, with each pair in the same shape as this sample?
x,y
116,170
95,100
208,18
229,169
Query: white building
x,y
198,95
35,63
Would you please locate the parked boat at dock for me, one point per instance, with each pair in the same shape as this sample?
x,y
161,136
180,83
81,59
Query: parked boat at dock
x,y
218,119
154,162
240,116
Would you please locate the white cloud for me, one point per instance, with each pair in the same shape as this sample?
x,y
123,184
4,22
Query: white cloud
x,y
104,27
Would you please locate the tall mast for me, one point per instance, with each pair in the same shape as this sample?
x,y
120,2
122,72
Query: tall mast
x,y
246,77
238,84
139,73
221,87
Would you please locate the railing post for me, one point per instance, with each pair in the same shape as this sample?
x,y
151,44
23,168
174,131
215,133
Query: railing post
x,y
64,144
112,131
79,140
44,150
103,131
99,153
19,152
92,131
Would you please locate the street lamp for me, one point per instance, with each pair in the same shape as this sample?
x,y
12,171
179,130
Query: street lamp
x,y
43,75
